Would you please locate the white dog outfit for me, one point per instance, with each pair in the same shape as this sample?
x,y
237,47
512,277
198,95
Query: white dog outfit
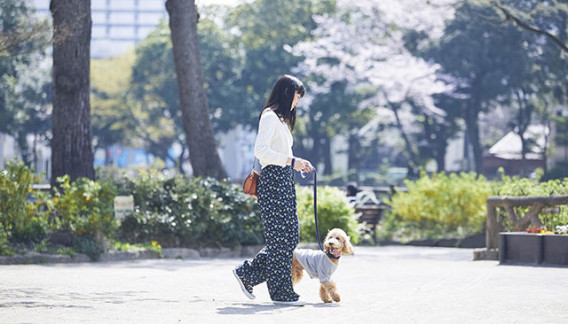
x,y
316,263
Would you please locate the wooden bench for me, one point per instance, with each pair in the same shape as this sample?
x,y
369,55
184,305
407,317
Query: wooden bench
x,y
371,215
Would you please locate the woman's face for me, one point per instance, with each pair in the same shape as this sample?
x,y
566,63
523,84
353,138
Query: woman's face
x,y
296,100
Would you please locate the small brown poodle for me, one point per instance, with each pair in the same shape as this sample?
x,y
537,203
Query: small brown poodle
x,y
322,264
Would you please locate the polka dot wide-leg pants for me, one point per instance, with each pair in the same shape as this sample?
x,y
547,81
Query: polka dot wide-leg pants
x,y
273,264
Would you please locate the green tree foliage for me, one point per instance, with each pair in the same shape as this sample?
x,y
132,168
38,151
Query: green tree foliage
x,y
544,18
135,95
495,63
25,85
267,30
479,56
240,65
328,115
112,107
155,93
546,27
539,80
268,44
222,64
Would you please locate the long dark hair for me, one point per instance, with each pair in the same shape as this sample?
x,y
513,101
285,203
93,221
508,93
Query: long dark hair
x,y
282,96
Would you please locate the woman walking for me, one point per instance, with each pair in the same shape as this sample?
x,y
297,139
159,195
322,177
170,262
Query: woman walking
x,y
276,195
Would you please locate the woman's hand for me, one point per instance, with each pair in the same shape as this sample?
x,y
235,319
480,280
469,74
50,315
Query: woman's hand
x,y
303,165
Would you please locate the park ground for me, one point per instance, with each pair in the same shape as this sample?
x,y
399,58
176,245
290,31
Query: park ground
x,y
392,284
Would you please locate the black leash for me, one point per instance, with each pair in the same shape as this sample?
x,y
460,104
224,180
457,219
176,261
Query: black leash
x,y
304,175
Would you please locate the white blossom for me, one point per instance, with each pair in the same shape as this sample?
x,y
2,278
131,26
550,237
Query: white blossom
x,y
363,44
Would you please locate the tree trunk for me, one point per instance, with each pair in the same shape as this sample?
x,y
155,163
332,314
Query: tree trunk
x,y
523,154
314,155
328,165
108,157
179,162
72,152
354,151
434,134
203,153
24,147
440,150
546,142
524,117
472,129
412,156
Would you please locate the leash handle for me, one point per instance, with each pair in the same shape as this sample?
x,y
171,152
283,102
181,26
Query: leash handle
x,y
304,175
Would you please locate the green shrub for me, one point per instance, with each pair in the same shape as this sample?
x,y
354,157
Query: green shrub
x,y
23,211
4,247
440,206
152,246
333,211
89,246
245,226
190,212
85,207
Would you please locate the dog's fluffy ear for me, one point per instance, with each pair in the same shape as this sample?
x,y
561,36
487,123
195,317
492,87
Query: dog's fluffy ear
x,y
347,248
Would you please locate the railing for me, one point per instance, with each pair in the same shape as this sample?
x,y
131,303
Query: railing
x,y
536,203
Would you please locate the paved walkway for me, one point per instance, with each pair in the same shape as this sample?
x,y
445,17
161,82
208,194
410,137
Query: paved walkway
x,y
392,284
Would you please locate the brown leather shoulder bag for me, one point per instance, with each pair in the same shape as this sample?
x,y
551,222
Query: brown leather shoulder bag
x,y
249,187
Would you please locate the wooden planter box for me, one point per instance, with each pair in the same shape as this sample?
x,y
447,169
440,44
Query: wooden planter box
x,y
521,247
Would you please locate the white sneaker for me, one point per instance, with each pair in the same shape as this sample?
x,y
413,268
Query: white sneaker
x,y
244,289
290,303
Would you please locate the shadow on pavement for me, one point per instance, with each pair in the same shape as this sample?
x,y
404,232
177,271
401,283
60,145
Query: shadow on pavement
x,y
250,308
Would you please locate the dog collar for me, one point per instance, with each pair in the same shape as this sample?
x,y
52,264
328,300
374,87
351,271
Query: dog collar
x,y
332,256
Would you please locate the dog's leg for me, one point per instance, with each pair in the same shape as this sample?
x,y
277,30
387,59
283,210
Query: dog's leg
x,y
328,292
334,293
324,292
297,271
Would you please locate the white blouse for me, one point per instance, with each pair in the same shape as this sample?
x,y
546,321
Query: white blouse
x,y
274,141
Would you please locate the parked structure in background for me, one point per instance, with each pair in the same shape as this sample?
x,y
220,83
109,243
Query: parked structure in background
x,y
506,153
541,139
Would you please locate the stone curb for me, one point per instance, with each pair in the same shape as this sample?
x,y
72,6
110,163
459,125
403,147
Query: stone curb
x,y
126,255
42,258
184,253
248,251
114,255
485,254
173,253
